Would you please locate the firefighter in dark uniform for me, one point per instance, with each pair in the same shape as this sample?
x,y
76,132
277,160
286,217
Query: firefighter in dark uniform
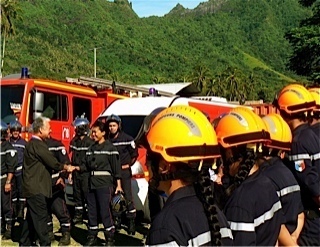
x,y
103,163
181,146
57,203
295,103
315,114
128,155
9,162
253,208
38,163
79,146
287,186
18,202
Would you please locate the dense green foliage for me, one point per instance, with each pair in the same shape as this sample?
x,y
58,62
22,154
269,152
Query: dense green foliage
x,y
222,43
305,40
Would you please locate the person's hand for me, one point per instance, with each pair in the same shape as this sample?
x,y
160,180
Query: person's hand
x,y
7,187
70,181
70,168
61,182
119,190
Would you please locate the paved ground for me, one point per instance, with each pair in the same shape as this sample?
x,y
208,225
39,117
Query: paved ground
x,y
79,235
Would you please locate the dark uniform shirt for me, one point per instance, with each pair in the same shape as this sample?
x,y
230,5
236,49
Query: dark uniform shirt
x,y
254,212
316,129
183,222
79,148
126,147
60,153
305,154
103,163
19,145
38,164
9,159
287,188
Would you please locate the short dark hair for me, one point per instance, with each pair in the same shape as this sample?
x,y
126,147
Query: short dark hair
x,y
100,125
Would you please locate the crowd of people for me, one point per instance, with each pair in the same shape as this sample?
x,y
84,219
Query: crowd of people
x,y
240,179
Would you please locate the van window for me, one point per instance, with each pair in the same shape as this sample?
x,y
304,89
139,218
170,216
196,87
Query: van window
x,y
130,124
80,106
55,107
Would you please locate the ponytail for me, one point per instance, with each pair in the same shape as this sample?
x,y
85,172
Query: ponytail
x,y
204,192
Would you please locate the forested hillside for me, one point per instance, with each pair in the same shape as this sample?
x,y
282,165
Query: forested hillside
x,y
235,44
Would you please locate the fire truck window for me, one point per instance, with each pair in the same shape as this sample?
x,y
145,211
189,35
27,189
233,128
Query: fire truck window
x,y
55,107
80,106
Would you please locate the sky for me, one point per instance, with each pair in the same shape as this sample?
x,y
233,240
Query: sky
x,y
145,8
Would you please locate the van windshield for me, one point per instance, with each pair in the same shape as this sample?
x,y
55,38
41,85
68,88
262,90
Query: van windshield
x,y
130,124
11,102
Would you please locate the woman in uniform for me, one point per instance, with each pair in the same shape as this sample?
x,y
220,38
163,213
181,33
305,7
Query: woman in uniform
x,y
181,146
253,208
102,160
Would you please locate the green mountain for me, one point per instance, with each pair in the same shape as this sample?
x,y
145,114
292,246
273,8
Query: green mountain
x,y
238,39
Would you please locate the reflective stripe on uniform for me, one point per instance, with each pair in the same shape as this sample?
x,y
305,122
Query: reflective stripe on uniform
x,y
9,151
93,227
78,148
65,224
19,168
226,233
80,207
103,152
121,143
299,157
18,145
100,173
55,175
250,227
315,156
56,148
109,228
288,190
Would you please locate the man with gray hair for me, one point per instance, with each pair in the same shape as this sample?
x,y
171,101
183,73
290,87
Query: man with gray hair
x,y
36,183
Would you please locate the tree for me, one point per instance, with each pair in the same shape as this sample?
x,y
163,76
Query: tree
x,y
305,40
9,11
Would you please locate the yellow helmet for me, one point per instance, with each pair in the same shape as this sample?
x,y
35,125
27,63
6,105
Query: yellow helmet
x,y
295,98
279,130
315,92
241,126
182,134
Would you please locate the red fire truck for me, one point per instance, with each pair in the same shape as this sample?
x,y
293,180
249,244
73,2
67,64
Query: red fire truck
x,y
25,99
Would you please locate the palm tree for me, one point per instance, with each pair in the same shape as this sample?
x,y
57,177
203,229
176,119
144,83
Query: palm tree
x,y
9,11
201,74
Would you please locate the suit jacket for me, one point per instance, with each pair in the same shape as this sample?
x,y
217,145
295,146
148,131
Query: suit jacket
x,y
38,164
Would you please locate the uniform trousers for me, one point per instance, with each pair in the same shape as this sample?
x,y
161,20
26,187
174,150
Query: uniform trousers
x,y
57,206
99,203
5,206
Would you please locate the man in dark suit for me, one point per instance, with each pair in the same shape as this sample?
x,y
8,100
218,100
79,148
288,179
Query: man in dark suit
x,y
36,183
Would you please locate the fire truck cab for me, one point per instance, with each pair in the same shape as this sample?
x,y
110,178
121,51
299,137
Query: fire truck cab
x,y
25,99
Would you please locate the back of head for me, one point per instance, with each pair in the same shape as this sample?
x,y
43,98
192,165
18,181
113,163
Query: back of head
x,y
182,134
294,99
4,130
15,126
38,123
280,133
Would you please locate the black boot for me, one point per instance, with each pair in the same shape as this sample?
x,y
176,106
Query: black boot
x,y
91,240
20,209
7,234
131,226
109,236
77,219
51,236
65,239
117,223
